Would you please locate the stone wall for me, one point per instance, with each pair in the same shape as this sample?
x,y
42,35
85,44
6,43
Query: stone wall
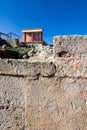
x,y
43,95
46,95
72,44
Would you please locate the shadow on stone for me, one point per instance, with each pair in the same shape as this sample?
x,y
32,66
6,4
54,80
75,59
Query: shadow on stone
x,y
62,53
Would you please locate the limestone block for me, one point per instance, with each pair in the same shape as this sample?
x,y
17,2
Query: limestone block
x,y
19,67
12,103
54,104
72,44
71,68
56,100
48,69
24,68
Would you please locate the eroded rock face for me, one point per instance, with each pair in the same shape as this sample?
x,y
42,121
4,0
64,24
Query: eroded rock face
x,y
29,69
12,103
74,44
57,104
45,95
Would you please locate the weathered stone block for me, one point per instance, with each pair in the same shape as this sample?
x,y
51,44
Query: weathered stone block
x,y
72,44
48,69
56,100
12,103
24,68
56,104
71,68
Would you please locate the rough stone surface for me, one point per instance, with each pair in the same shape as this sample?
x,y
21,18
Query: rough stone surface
x,y
57,104
74,44
12,103
24,68
44,95
55,100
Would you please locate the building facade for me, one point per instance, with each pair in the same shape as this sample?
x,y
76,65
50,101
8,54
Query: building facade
x,y
33,35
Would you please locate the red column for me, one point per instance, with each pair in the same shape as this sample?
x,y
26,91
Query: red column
x,y
24,37
40,36
32,36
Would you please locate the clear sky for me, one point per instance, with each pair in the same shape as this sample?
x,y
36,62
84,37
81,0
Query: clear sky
x,y
56,17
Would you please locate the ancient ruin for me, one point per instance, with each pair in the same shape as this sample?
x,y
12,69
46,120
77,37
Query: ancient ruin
x,y
32,36
48,91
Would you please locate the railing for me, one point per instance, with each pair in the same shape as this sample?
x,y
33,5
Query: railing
x,y
8,36
4,36
12,34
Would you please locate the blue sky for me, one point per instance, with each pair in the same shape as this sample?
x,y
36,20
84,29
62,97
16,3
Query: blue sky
x,y
56,17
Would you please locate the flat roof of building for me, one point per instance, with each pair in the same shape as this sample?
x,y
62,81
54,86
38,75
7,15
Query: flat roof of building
x,y
32,30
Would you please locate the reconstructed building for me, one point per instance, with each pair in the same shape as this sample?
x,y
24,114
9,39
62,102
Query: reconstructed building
x,y
32,35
